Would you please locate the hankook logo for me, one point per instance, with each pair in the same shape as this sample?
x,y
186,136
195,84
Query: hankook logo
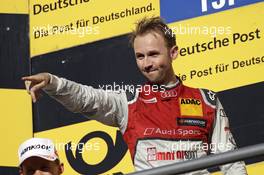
x,y
37,146
191,122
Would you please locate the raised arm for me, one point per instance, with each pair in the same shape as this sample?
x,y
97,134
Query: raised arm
x,y
108,107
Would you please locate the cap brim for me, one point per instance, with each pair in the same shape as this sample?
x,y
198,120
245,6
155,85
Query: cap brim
x,y
49,158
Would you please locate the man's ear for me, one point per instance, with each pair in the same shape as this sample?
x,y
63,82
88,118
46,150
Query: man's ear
x,y
61,168
174,52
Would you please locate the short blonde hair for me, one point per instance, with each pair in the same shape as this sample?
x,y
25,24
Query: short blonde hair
x,y
155,24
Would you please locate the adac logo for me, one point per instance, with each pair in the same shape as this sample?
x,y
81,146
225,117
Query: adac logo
x,y
190,101
191,107
115,154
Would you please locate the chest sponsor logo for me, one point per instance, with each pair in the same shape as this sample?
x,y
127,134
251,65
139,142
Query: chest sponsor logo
x,y
191,122
190,101
191,107
168,94
182,132
154,155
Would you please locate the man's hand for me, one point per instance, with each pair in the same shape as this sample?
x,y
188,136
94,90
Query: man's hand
x,y
35,83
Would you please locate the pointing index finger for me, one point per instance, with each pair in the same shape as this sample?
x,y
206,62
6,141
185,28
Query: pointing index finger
x,y
27,78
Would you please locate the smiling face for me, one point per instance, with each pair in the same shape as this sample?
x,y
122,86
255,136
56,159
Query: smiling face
x,y
154,58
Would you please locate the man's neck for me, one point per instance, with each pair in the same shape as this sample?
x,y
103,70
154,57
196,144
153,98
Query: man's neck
x,y
172,82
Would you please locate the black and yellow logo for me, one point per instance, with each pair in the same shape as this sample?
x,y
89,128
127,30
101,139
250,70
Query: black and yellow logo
x,y
90,148
191,107
116,152
190,101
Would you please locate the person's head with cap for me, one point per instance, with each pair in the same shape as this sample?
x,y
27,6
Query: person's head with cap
x,y
39,156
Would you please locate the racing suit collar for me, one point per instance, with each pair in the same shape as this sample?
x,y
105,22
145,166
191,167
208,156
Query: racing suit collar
x,y
172,85
167,86
165,92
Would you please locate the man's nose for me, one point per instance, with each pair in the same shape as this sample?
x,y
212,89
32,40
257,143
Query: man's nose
x,y
38,172
147,64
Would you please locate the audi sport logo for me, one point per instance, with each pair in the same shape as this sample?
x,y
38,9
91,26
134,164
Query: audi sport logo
x,y
183,132
169,94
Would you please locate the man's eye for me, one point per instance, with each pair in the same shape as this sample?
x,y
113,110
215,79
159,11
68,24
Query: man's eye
x,y
140,57
154,54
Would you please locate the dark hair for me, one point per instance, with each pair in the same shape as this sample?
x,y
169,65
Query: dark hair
x,y
156,24
57,161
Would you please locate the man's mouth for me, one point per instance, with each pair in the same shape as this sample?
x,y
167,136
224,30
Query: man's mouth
x,y
150,71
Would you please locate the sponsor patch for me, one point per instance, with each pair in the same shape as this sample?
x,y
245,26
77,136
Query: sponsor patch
x,y
154,155
179,131
191,107
169,94
191,122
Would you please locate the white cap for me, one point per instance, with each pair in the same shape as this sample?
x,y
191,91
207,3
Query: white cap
x,y
37,147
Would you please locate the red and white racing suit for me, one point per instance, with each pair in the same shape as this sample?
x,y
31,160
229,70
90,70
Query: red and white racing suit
x,y
169,125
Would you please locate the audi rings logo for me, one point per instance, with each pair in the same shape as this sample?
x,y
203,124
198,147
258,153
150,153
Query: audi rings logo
x,y
169,94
